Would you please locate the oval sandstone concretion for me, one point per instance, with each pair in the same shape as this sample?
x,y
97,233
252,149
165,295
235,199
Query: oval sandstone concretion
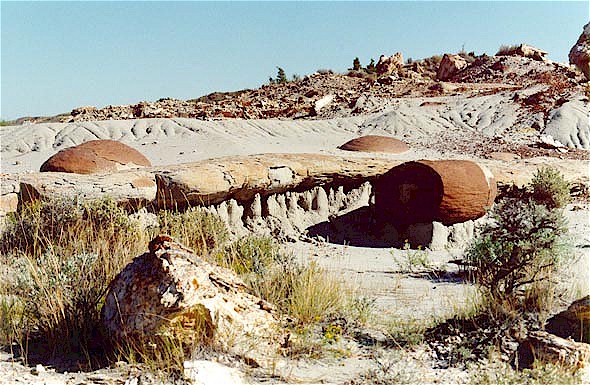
x,y
95,156
447,191
375,143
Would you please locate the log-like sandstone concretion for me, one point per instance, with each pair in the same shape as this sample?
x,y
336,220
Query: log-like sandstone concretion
x,y
171,291
375,143
241,178
130,188
95,156
447,191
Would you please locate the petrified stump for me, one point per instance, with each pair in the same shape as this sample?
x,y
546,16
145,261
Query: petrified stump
x,y
171,291
447,191
95,156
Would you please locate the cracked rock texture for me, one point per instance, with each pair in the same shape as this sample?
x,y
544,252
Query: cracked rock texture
x,y
171,290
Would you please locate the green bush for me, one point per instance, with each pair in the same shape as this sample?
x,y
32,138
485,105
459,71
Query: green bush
x,y
520,247
550,188
518,252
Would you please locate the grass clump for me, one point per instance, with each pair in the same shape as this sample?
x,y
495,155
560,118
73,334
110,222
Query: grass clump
x,y
70,226
62,254
498,373
196,228
308,293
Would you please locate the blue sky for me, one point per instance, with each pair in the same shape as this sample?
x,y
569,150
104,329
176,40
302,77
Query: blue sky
x,y
61,55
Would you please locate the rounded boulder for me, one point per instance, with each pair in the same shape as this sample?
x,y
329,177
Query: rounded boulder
x,y
446,191
375,143
95,156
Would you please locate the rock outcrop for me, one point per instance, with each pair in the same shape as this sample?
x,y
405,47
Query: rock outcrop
x,y
386,65
449,66
447,191
375,143
170,290
95,156
525,50
580,53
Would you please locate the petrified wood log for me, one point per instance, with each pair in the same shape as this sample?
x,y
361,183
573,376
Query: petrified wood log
x,y
546,347
574,322
171,291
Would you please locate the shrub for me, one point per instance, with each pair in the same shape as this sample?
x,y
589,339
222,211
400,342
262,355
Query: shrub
x,y
550,188
506,50
518,252
356,64
519,248
371,66
62,297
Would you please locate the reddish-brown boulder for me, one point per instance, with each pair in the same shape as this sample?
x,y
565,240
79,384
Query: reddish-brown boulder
x,y
447,191
95,156
375,143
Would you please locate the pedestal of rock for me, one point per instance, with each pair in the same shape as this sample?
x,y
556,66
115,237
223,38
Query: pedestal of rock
x,y
170,291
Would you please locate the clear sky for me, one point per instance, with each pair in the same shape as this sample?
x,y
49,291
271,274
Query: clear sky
x,y
61,55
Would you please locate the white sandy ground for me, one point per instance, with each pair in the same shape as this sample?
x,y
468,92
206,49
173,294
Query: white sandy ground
x,y
374,271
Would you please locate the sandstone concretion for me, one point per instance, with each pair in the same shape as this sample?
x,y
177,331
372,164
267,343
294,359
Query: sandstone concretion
x,y
132,188
172,291
580,53
449,66
526,50
375,143
95,156
447,191
241,178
